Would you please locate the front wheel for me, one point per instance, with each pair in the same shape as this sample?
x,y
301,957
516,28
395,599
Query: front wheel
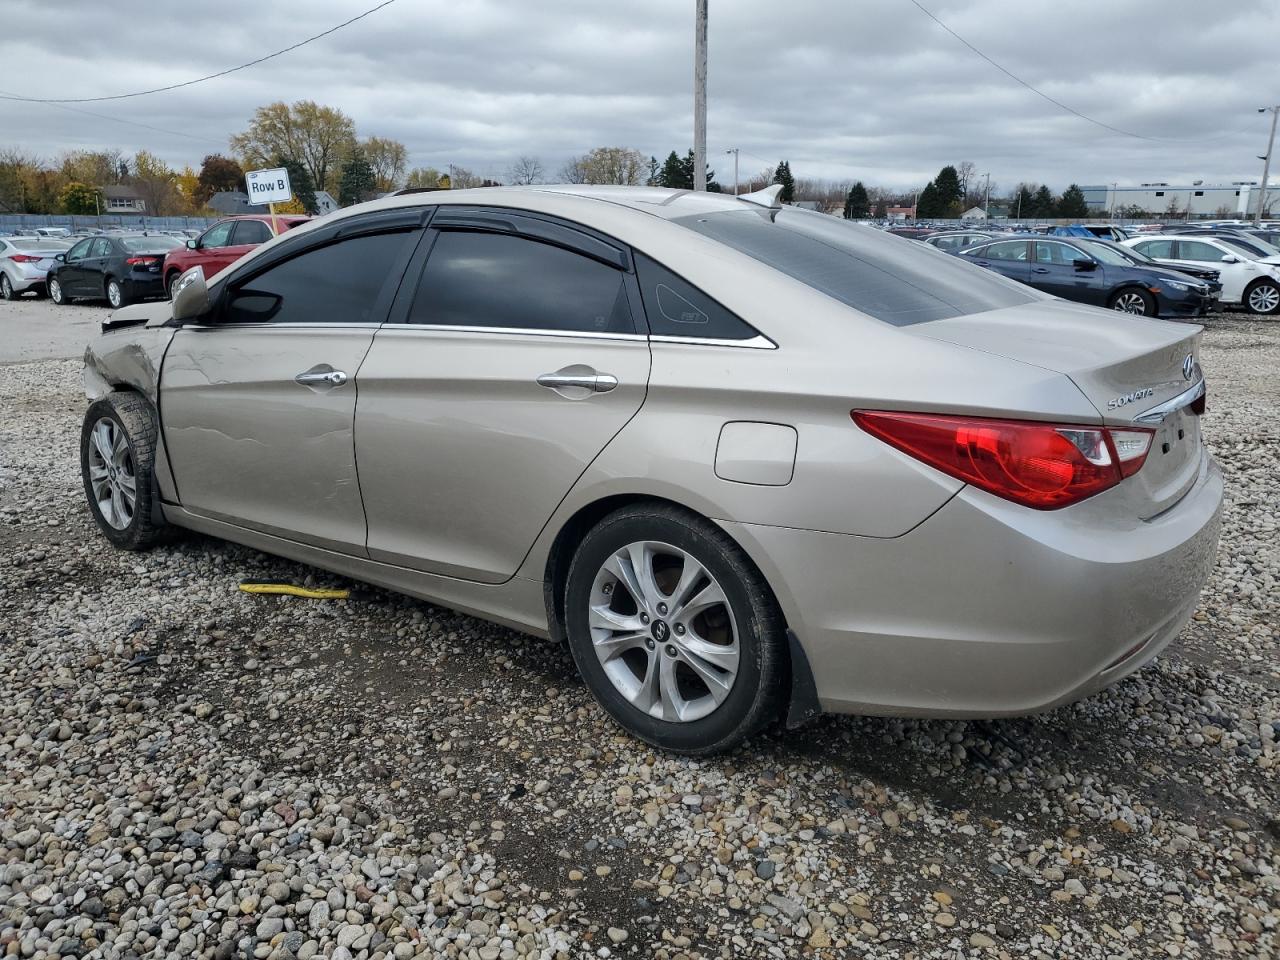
x,y
6,288
1263,297
117,453
1135,301
115,294
56,293
674,630
170,281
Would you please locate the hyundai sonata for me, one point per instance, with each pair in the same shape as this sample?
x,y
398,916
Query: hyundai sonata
x,y
751,462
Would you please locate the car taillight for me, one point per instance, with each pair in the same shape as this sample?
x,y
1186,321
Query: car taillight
x,y
25,258
142,261
1040,465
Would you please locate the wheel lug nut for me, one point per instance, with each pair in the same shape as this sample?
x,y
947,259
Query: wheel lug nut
x,y
680,629
649,644
662,609
607,589
644,618
671,650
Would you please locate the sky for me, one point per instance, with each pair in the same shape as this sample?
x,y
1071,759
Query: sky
x,y
871,90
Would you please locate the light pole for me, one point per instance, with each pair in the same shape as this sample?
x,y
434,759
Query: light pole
x,y
1115,187
734,151
700,97
1266,164
986,204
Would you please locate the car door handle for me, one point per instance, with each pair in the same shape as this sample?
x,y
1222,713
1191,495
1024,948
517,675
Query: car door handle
x,y
595,382
318,378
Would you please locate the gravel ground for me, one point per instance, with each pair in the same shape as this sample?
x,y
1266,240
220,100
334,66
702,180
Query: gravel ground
x,y
186,770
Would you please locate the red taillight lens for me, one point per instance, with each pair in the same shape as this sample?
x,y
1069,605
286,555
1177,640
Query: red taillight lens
x,y
25,258
1040,465
142,261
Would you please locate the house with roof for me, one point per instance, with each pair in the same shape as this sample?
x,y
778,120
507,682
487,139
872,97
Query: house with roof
x,y
230,203
119,198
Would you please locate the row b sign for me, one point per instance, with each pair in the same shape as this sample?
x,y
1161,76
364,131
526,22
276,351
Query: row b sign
x,y
268,186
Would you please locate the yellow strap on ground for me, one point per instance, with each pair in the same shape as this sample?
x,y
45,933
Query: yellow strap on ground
x,y
292,590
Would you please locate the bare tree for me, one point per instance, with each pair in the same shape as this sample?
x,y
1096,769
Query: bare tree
x,y
621,165
460,178
388,159
965,173
526,170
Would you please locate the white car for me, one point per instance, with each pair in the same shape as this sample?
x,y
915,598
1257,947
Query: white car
x,y
25,263
1247,280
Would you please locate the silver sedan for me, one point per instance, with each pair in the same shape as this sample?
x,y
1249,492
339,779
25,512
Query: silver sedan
x,y
750,462
25,263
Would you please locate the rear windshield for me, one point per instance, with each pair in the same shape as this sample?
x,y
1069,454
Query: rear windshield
x,y
895,280
44,243
149,244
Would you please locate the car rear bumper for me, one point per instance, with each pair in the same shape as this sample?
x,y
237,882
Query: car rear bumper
x,y
990,609
139,286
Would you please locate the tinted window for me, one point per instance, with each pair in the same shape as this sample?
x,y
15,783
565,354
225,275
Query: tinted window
x,y
1198,250
1156,249
219,235
676,308
338,283
498,280
251,231
80,250
1058,253
895,281
101,248
1007,250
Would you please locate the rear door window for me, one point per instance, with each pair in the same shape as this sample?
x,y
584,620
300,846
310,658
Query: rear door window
x,y
503,281
1156,249
1006,250
1199,251
250,231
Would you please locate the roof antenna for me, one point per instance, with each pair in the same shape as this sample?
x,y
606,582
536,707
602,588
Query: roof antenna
x,y
768,197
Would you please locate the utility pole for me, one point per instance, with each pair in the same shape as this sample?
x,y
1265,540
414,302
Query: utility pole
x,y
700,97
986,204
1115,188
734,151
1266,165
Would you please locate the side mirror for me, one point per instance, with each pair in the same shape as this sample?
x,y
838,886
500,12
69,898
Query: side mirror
x,y
62,258
190,295
1229,258
191,245
1085,265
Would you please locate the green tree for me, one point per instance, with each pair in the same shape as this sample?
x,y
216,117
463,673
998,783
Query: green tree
x,y
428,177
655,170
218,174
78,198
1022,204
857,205
950,194
674,174
687,168
783,176
1043,203
304,190
1073,204
318,137
928,205
357,183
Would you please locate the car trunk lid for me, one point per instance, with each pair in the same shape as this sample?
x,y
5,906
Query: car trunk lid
x,y
1124,365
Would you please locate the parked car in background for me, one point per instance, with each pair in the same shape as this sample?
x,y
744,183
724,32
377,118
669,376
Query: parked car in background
x,y
1088,271
529,404
1206,274
1246,281
223,244
117,268
957,240
25,263
911,233
52,232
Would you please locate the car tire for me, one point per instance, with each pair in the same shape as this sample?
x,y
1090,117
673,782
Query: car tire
x,y
1262,297
6,288
655,674
56,293
170,281
1133,300
117,452
116,297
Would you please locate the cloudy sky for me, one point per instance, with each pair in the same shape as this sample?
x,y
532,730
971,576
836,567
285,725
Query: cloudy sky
x,y
871,89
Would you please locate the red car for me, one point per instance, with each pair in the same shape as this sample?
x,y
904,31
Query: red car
x,y
223,243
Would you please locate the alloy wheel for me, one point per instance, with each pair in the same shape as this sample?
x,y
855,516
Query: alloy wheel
x,y
55,291
114,295
1264,298
664,632
6,288
1131,302
111,473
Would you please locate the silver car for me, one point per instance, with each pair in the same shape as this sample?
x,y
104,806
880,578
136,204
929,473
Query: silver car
x,y
750,462
25,264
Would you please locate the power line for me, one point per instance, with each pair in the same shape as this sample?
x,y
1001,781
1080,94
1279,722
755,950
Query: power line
x,y
132,123
212,76
1058,103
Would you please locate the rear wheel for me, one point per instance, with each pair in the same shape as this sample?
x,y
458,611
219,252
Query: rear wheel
x,y
117,453
6,288
56,293
115,293
1263,296
674,630
1135,301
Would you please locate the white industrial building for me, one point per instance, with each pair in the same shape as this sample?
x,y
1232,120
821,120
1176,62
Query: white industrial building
x,y
1196,199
